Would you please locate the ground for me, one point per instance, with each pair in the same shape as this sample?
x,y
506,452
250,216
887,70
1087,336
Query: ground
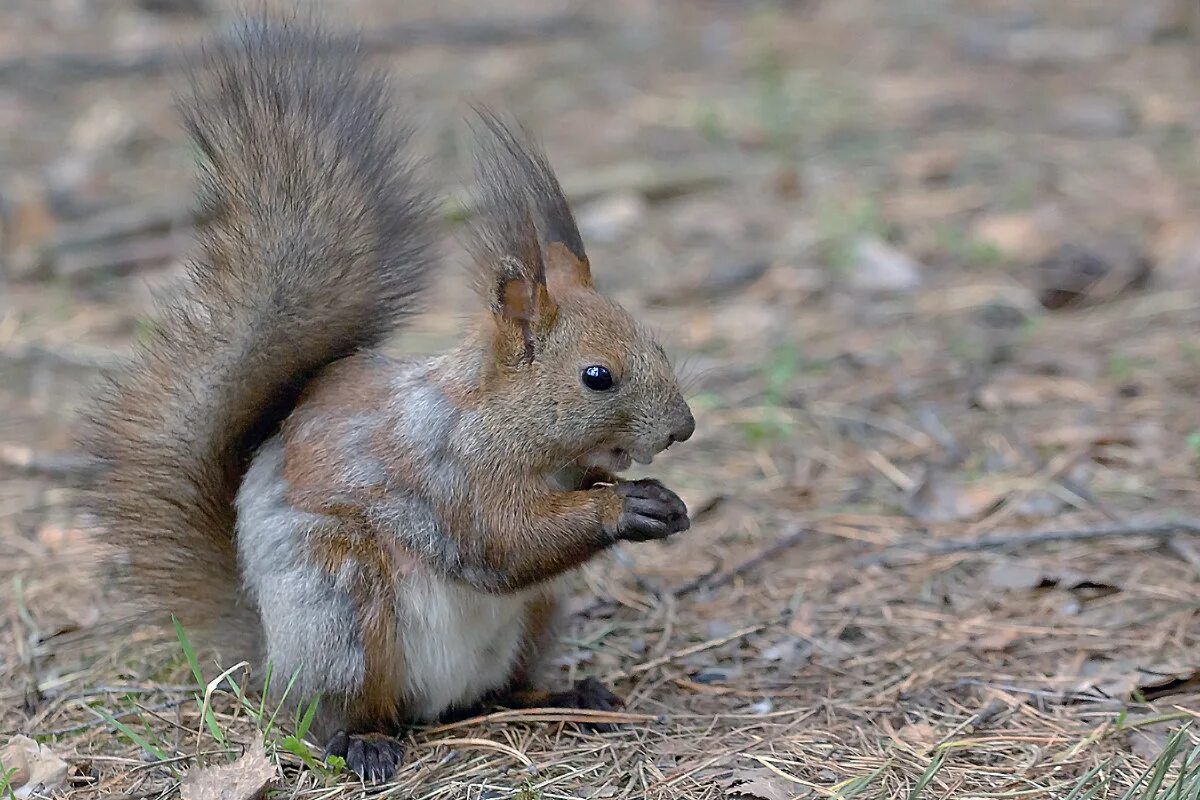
x,y
929,268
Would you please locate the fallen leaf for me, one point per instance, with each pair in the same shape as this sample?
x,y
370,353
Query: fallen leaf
x,y
1020,236
244,779
801,623
920,734
941,497
1089,274
1012,391
1123,679
931,165
1015,575
1012,575
37,769
761,785
996,641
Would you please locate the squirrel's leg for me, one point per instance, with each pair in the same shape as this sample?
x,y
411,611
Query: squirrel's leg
x,y
317,632
541,633
326,620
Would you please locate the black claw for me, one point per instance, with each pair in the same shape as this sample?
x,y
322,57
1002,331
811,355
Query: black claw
x,y
337,745
590,694
373,757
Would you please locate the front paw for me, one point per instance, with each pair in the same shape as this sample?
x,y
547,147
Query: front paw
x,y
590,694
374,757
650,511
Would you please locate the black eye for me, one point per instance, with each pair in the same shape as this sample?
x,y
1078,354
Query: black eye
x,y
597,378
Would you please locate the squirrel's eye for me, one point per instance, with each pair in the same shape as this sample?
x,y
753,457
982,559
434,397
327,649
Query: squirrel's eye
x,y
597,378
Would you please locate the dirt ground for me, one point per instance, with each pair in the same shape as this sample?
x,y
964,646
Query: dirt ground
x,y
932,272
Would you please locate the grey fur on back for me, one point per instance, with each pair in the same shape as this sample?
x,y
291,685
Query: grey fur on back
x,y
316,242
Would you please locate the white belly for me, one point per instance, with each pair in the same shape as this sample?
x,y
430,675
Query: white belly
x,y
458,644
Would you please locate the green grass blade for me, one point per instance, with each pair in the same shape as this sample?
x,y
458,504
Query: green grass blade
x,y
188,651
190,654
1189,776
1081,784
934,766
1162,764
266,692
300,749
132,735
282,700
855,786
307,719
6,782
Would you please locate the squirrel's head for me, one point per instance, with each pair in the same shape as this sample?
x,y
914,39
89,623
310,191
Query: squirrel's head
x,y
598,387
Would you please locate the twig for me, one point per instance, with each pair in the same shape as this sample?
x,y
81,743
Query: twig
x,y
486,744
27,461
544,715
693,649
96,66
916,551
101,721
710,580
120,257
72,357
789,540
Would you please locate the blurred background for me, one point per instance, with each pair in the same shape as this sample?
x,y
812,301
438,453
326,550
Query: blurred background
x,y
931,270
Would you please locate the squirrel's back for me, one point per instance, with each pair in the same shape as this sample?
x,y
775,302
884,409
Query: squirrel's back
x,y
315,242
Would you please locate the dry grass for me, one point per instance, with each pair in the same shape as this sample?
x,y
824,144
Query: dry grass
x,y
867,606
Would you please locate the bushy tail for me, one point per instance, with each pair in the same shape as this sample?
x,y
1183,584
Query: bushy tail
x,y
315,242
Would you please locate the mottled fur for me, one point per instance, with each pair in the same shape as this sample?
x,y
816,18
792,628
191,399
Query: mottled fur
x,y
400,525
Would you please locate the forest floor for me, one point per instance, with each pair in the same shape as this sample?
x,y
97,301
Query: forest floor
x,y
932,272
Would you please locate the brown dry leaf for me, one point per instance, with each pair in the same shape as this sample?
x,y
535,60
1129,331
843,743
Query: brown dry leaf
x,y
1078,275
1064,436
1122,679
244,779
801,623
1018,236
1015,575
940,497
761,785
38,770
996,641
917,734
1013,391
930,165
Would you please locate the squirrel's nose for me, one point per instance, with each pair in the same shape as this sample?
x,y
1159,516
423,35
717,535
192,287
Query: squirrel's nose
x,y
684,429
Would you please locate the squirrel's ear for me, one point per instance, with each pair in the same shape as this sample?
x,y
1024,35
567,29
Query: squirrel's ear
x,y
524,313
566,263
565,270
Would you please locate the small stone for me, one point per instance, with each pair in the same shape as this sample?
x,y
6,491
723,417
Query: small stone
x,y
880,267
1095,116
611,218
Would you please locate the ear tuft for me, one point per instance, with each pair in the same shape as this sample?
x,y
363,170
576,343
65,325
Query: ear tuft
x,y
529,171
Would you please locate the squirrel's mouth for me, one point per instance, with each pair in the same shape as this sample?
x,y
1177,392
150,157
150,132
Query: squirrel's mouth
x,y
620,459
609,459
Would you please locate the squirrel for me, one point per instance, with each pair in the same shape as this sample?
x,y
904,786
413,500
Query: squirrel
x,y
391,534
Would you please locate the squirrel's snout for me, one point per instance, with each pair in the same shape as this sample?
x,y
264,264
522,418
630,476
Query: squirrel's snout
x,y
684,428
